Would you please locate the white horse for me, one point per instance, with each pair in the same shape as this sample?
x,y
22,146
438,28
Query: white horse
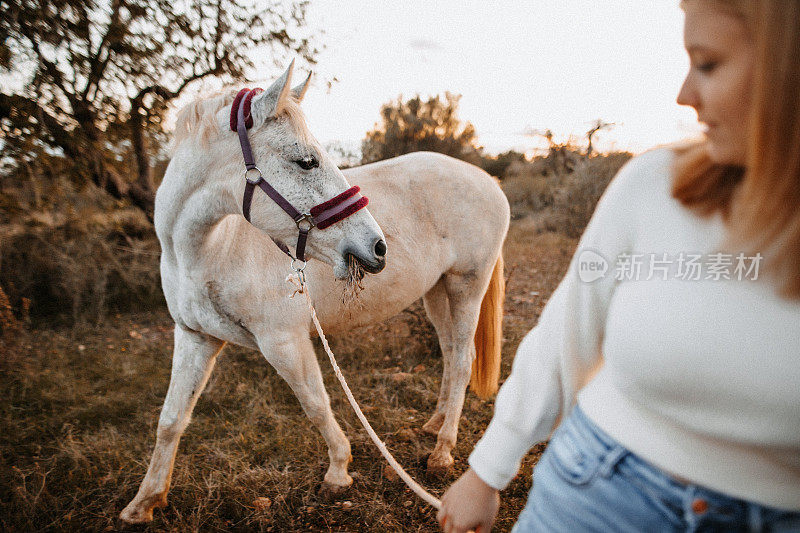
x,y
443,221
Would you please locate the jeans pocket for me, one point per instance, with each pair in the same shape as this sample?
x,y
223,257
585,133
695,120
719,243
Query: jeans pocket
x,y
572,460
654,486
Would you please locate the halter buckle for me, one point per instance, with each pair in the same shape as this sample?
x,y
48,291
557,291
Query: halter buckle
x,y
307,219
254,181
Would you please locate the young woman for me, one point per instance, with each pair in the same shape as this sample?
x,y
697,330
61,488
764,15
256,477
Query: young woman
x,y
671,349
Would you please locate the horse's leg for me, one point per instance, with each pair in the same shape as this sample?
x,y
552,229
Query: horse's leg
x,y
292,356
464,296
438,309
192,362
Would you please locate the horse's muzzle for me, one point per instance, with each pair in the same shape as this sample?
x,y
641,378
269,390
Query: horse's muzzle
x,y
373,264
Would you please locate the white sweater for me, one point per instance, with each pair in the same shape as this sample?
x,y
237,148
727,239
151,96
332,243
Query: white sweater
x,y
700,377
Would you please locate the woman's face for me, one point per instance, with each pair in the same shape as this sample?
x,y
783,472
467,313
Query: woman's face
x,y
718,85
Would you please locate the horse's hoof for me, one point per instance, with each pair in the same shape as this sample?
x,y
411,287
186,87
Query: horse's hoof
x,y
433,425
329,492
136,515
439,465
140,510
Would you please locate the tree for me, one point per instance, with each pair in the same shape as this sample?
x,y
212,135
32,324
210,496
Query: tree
x,y
562,157
598,125
100,75
421,125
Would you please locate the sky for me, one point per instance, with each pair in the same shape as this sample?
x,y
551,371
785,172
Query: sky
x,y
519,66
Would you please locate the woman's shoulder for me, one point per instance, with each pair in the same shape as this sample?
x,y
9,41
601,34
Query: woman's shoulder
x,y
645,175
642,185
653,164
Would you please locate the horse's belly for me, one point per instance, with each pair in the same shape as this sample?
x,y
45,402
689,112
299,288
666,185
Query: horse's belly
x,y
381,298
357,315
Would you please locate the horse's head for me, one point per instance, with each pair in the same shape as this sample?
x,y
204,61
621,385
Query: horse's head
x,y
294,163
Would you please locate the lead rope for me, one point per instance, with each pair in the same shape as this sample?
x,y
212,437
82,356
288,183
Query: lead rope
x,y
299,280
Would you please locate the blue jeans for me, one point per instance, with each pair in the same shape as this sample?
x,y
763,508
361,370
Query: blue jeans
x,y
586,481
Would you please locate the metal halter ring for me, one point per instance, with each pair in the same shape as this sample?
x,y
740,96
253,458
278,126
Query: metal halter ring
x,y
307,218
300,269
253,181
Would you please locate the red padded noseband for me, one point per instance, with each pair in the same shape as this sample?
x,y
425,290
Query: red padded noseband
x,y
339,207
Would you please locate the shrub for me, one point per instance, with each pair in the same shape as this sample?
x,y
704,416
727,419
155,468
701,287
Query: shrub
x,y
421,125
81,270
497,166
582,189
560,197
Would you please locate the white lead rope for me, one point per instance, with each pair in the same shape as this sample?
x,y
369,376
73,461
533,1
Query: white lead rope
x,y
299,281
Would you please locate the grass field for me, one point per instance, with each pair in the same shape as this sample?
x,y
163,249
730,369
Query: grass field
x,y
78,421
81,407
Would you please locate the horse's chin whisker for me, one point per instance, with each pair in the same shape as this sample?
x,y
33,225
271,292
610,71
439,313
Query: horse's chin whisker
x,y
352,285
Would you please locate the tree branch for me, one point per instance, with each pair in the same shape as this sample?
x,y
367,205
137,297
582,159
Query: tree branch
x,y
97,66
56,76
166,94
61,137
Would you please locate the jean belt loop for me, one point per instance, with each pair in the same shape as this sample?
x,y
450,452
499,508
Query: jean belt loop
x,y
614,456
755,517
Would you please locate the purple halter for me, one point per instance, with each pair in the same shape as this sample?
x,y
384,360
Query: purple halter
x,y
321,216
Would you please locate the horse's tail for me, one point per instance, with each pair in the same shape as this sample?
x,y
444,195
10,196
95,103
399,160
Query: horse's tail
x,y
489,336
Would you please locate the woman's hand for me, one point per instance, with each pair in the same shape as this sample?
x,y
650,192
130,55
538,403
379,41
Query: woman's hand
x,y
469,504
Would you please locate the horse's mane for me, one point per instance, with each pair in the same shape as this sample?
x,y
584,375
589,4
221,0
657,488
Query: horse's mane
x,y
197,120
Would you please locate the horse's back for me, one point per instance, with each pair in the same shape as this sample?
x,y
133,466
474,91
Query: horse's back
x,y
438,214
430,173
429,198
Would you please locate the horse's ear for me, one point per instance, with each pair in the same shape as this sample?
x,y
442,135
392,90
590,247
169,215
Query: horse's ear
x,y
300,91
270,102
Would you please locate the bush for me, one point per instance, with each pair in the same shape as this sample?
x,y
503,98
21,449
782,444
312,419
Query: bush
x,y
560,191
577,199
529,188
497,166
83,269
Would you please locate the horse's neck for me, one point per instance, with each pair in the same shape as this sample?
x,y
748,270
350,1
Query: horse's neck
x,y
188,212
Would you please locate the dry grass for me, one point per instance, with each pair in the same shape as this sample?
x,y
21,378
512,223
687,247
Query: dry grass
x,y
82,403
79,419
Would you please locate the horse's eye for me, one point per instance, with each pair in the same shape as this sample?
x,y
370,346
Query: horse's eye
x,y
307,163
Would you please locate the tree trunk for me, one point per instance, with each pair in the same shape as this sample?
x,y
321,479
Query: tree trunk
x,y
142,192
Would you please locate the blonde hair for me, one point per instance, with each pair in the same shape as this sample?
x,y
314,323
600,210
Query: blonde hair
x,y
759,202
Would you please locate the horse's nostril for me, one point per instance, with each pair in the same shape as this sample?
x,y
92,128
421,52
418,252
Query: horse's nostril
x,y
380,248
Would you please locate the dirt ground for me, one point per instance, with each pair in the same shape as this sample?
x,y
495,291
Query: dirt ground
x,y
81,406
